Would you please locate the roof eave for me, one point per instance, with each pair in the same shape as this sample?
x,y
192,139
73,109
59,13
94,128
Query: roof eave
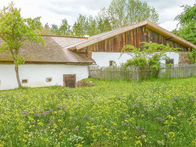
x,y
90,42
169,34
46,62
147,23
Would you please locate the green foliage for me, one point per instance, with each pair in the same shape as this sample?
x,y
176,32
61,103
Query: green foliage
x,y
80,26
131,49
147,58
111,113
119,13
140,62
19,60
154,62
187,21
65,28
128,12
188,32
103,21
45,30
147,49
188,15
16,31
151,47
92,26
55,29
192,56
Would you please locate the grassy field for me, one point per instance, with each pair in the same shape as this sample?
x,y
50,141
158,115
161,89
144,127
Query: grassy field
x,y
117,113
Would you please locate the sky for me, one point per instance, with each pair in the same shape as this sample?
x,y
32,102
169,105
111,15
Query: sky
x,y
53,11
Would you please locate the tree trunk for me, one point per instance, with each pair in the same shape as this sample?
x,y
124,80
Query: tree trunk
x,y
17,76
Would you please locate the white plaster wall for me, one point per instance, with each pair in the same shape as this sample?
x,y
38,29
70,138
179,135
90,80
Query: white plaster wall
x,y
36,74
174,56
103,58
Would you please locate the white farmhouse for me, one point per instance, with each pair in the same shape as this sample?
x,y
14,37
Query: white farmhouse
x,y
65,60
51,65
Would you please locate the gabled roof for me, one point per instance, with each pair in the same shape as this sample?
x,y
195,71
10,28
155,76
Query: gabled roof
x,y
54,51
106,35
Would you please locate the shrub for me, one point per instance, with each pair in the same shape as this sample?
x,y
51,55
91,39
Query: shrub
x,y
148,58
192,56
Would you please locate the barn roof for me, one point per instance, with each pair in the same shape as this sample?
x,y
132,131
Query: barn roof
x,y
54,51
106,35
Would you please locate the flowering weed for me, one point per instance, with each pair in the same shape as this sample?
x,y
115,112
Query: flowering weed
x,y
111,113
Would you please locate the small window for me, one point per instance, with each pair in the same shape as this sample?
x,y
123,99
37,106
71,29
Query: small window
x,y
24,81
112,63
170,61
48,79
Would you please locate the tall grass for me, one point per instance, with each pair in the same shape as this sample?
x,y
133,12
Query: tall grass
x,y
111,113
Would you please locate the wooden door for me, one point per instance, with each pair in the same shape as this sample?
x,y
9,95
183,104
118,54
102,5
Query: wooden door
x,y
69,80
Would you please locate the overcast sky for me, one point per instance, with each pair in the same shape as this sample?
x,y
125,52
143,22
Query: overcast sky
x,y
53,11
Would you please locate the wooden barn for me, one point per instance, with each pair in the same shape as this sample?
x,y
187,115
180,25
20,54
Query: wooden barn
x,y
105,48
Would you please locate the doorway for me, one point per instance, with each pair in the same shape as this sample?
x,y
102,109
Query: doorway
x,y
69,80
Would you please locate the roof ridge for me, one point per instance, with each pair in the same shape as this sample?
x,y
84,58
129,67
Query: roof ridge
x,y
65,36
60,36
114,30
108,33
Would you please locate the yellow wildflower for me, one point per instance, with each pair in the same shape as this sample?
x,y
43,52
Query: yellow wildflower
x,y
138,143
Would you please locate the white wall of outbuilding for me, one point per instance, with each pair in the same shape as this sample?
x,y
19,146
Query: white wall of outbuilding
x,y
102,59
36,74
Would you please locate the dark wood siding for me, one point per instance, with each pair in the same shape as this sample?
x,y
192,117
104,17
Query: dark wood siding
x,y
133,37
69,80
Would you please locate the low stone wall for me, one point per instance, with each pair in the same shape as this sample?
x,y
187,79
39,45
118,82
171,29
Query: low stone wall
x,y
183,58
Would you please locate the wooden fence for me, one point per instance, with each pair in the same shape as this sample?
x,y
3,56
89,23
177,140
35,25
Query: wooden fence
x,y
116,73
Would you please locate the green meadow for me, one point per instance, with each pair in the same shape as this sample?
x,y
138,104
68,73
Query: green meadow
x,y
110,113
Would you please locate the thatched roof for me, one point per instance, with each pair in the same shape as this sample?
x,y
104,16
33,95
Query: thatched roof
x,y
106,35
54,51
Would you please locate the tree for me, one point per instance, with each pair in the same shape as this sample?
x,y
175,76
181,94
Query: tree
x,y
65,28
45,30
80,27
16,32
46,26
192,56
120,13
127,12
103,21
92,26
188,15
55,29
187,22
